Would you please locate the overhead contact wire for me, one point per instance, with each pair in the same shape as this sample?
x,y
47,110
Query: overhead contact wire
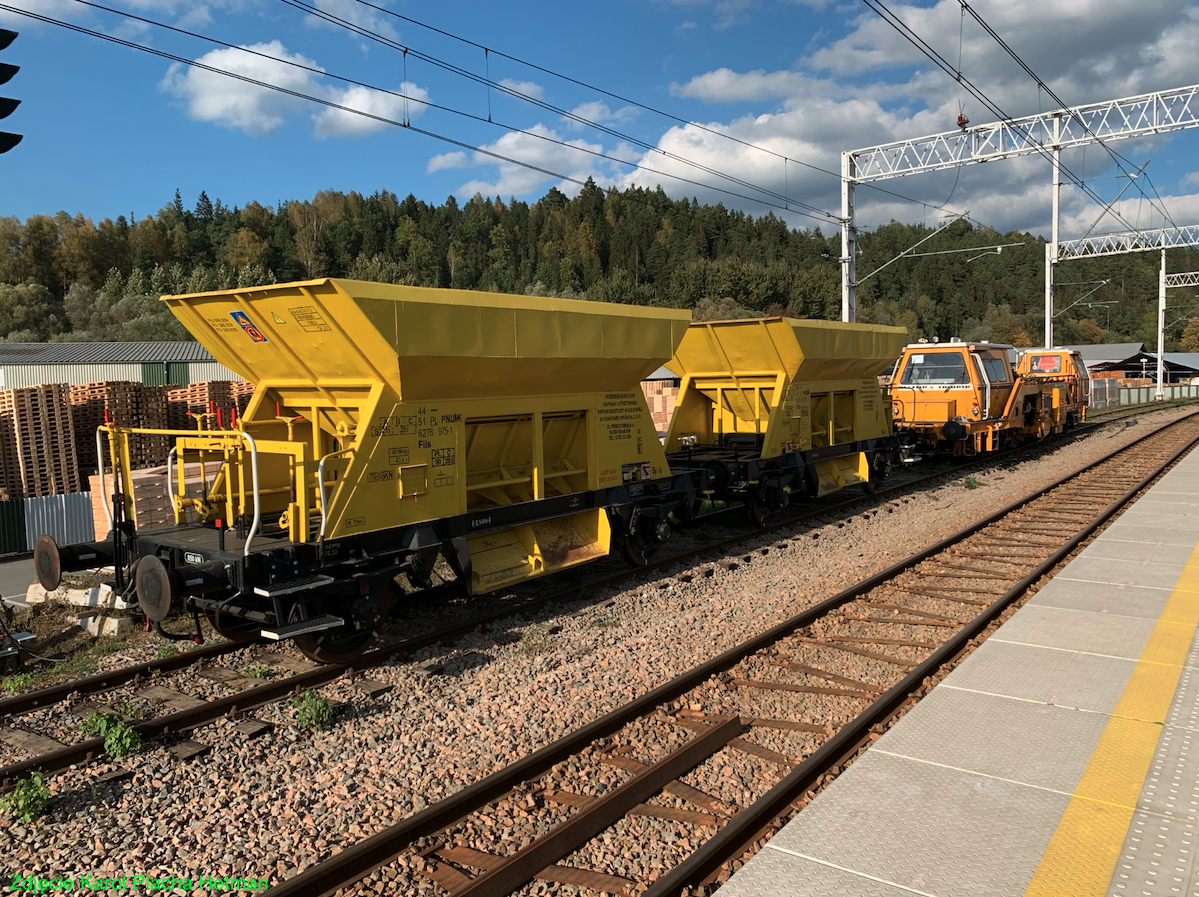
x,y
1116,157
879,8
382,119
543,104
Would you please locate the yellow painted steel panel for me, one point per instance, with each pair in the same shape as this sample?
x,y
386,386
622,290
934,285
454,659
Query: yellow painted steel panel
x,y
802,349
796,384
431,403
416,338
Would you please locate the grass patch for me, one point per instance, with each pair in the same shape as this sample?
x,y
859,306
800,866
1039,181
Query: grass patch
x,y
551,607
28,799
312,711
80,663
106,644
533,641
165,651
971,483
605,622
17,683
258,671
131,710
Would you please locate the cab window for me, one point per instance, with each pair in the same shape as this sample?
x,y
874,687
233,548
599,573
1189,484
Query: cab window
x,y
997,369
935,369
1046,364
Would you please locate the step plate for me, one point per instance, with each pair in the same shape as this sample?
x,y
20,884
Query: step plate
x,y
304,627
292,585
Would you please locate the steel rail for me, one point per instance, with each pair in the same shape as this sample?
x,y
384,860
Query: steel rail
x,y
53,694
40,698
87,751
371,853
731,841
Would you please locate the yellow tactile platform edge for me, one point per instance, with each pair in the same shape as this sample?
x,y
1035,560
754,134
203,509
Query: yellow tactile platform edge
x,y
1082,854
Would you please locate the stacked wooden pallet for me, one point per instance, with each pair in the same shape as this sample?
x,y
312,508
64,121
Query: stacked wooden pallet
x,y
660,396
198,398
128,404
240,392
37,442
153,503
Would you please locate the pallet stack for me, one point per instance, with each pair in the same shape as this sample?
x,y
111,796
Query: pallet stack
x,y
660,395
197,398
240,393
129,404
154,505
37,442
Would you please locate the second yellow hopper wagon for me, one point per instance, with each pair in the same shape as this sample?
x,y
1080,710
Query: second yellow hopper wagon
x,y
772,407
390,424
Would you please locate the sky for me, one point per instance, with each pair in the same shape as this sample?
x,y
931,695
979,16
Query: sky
x,y
745,84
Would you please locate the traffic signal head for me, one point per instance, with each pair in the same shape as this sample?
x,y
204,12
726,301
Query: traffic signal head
x,y
7,105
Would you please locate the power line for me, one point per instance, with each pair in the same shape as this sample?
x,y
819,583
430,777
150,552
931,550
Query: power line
x,y
880,8
284,90
648,108
1116,157
363,31
382,119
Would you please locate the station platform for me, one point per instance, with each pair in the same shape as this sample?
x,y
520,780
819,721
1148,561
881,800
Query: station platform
x,y
1060,758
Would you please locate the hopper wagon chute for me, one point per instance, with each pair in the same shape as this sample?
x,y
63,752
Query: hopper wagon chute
x,y
775,407
390,425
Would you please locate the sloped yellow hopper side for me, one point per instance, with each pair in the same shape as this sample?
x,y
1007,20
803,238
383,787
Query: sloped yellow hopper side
x,y
797,385
428,404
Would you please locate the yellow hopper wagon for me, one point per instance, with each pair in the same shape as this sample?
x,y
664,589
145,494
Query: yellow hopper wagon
x,y
390,425
776,407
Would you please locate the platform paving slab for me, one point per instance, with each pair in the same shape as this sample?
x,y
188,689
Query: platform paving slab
x,y
966,792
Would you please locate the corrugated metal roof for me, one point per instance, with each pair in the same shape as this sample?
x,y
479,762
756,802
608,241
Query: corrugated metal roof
x,y
1187,359
101,353
663,374
1099,353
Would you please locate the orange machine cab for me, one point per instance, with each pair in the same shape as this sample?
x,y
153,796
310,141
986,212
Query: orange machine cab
x,y
1064,387
967,397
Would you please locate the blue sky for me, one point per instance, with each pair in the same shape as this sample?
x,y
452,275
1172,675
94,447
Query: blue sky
x,y
109,130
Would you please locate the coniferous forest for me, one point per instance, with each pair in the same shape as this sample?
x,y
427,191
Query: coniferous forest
x,y
65,277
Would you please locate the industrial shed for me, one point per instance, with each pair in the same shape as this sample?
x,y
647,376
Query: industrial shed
x,y
176,363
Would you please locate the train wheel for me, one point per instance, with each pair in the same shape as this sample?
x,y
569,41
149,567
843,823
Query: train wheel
x,y
762,511
638,550
330,647
343,644
234,628
640,539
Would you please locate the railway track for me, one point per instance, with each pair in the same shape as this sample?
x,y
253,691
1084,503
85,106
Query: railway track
x,y
641,799
182,713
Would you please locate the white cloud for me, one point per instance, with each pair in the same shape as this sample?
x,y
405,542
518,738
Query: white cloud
x,y
872,87
528,88
726,86
571,160
235,104
341,123
183,13
356,13
447,160
728,12
599,113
